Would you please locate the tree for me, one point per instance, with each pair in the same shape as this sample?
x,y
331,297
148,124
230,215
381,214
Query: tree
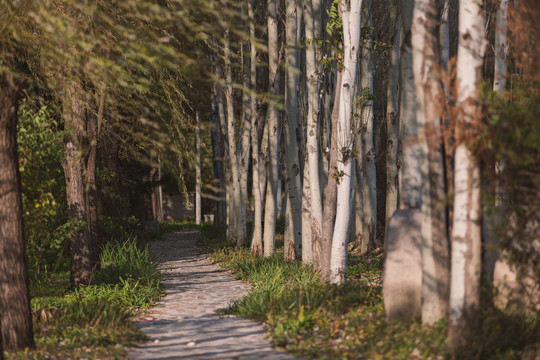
x,y
312,20
272,128
198,178
369,152
410,178
350,13
466,230
392,119
293,173
16,318
435,246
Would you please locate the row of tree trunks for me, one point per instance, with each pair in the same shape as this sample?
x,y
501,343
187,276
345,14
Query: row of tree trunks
x,y
15,315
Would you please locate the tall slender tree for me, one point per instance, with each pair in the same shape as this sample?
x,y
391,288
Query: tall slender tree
x,y
369,171
350,12
312,19
293,173
272,118
466,231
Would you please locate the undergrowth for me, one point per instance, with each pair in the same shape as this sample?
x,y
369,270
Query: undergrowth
x,y
316,320
94,322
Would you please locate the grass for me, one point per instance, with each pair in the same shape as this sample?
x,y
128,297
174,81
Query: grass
x,y
316,320
94,322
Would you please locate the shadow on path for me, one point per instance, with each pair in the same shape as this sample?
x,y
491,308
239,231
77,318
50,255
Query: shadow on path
x,y
184,324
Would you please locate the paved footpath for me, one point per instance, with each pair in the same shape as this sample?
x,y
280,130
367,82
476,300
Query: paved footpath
x,y
184,324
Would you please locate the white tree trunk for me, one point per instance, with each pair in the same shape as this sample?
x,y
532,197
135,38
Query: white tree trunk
x,y
313,225
466,232
257,166
369,180
198,178
429,93
350,12
293,179
410,192
501,71
273,131
392,123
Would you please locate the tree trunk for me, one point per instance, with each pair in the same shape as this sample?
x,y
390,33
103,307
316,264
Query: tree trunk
x,y
312,19
410,192
75,140
392,122
269,239
258,185
369,182
293,180
198,179
429,94
235,229
501,71
245,138
351,42
466,232
91,189
15,315
323,255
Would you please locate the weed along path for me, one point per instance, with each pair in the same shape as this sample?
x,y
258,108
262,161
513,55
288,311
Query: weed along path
x,y
185,323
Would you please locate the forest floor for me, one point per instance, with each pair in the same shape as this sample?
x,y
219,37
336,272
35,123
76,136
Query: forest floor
x,y
185,323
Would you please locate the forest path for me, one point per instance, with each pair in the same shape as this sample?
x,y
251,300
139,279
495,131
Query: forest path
x,y
185,323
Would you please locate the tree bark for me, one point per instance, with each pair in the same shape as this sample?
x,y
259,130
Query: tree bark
x,y
392,121
410,192
258,185
293,179
369,154
198,178
269,239
75,141
350,13
466,232
323,255
429,98
312,18
15,315
235,229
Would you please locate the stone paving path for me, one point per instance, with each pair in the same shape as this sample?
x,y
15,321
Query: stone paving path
x,y
184,324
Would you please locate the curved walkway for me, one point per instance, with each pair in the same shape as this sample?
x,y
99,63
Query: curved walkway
x,y
184,324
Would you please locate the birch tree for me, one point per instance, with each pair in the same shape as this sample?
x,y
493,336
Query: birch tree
x,y
369,171
410,177
273,130
293,179
392,119
350,12
312,19
466,231
257,184
234,212
435,247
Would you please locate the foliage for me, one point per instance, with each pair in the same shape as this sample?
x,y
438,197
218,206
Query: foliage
x,y
39,138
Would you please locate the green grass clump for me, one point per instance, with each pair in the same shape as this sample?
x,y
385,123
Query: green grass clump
x,y
94,321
